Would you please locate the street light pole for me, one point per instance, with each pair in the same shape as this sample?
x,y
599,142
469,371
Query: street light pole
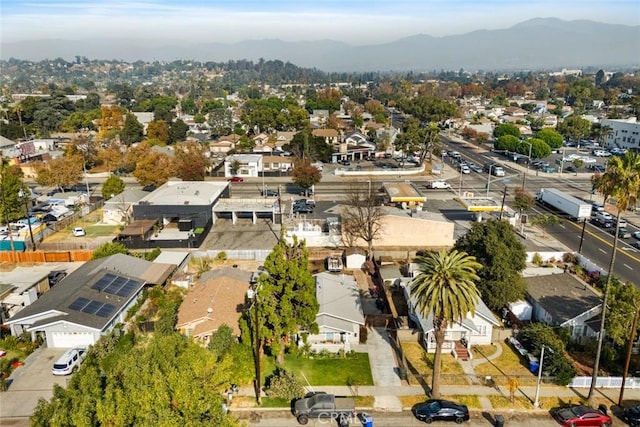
x,y
489,179
524,176
536,403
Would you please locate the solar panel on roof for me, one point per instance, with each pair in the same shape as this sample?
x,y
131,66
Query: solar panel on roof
x,y
106,310
92,307
104,282
128,288
79,303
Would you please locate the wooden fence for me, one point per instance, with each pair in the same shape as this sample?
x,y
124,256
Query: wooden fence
x,y
45,256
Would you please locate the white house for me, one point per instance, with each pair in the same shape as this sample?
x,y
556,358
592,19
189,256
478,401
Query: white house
x,y
340,315
89,302
119,208
476,329
249,165
565,301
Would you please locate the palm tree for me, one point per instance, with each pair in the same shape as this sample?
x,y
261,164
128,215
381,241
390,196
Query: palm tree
x,y
446,288
622,182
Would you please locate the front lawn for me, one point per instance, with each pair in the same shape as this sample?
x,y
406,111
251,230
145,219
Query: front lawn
x,y
508,364
351,370
420,364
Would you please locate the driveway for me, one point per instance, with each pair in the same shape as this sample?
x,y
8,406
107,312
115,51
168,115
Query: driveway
x,y
27,384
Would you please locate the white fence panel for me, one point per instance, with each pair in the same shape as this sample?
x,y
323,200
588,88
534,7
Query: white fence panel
x,y
605,382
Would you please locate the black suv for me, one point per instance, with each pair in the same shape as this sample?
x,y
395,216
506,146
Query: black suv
x,y
269,193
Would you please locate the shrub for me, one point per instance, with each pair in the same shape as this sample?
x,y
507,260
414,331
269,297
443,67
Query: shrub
x,y
222,256
537,258
283,385
9,343
570,258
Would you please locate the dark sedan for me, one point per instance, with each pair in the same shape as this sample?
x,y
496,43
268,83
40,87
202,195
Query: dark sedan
x,y
440,410
632,415
580,415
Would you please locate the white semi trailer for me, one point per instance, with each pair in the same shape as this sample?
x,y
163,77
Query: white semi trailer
x,y
575,208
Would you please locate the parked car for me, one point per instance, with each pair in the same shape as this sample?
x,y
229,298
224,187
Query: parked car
x,y
632,415
570,169
580,415
269,193
236,179
69,361
623,233
304,202
78,232
56,276
440,410
302,209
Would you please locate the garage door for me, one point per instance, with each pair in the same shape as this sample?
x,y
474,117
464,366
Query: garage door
x,y
70,339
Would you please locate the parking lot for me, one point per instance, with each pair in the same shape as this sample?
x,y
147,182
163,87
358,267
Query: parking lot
x,y
27,384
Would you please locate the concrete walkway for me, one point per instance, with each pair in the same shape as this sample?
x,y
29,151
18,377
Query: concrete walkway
x,y
384,370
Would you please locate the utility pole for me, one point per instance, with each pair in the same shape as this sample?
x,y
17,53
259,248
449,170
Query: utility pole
x,y
634,327
504,196
584,225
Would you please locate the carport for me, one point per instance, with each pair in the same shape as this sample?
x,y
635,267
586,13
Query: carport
x,y
251,208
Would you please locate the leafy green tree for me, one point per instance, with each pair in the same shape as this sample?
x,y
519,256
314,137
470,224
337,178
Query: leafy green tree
x,y
552,138
522,200
108,249
132,131
539,148
575,128
624,301
305,174
445,289
221,341
220,121
284,385
113,186
545,221
11,204
286,297
534,336
507,142
621,181
304,145
496,246
506,129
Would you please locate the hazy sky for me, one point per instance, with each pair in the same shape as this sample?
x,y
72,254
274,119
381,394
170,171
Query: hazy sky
x,y
352,21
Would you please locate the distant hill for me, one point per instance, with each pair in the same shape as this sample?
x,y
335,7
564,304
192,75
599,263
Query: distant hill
x,y
540,43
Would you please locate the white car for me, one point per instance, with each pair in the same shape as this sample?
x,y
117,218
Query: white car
x,y
465,169
636,234
79,232
588,159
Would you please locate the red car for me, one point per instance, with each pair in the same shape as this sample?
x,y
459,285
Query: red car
x,y
236,179
580,415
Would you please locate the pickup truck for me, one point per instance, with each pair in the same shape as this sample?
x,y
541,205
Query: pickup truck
x,y
322,405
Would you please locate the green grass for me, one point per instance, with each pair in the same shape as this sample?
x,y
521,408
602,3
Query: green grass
x,y
352,370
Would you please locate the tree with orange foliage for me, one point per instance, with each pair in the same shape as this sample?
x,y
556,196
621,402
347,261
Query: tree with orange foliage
x,y
190,162
112,119
305,174
154,169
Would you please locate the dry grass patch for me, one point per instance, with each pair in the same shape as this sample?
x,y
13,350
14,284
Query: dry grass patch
x,y
503,402
420,364
508,364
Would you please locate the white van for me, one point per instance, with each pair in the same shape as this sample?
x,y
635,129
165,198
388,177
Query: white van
x,y
69,361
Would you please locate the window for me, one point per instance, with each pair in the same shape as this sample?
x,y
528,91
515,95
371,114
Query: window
x,y
329,336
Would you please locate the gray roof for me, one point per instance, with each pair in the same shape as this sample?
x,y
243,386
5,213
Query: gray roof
x,y
234,273
78,285
389,272
200,193
562,295
130,195
339,298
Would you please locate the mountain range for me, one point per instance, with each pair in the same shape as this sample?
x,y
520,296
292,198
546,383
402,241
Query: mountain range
x,y
540,43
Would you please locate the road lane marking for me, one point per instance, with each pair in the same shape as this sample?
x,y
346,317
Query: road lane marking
x,y
602,250
587,231
628,266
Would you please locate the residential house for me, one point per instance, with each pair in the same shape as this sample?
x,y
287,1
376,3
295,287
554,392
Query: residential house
x,y
219,297
340,314
21,287
119,208
89,302
276,164
224,144
330,136
516,112
565,301
474,329
248,165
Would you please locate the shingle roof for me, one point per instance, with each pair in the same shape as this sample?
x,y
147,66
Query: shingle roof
x,y
562,295
339,298
214,301
78,284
